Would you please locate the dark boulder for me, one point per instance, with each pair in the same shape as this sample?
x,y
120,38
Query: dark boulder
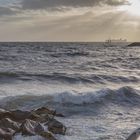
x,y
29,123
59,115
6,134
2,111
56,127
44,110
16,115
8,123
47,135
19,115
34,117
4,114
135,135
31,128
39,118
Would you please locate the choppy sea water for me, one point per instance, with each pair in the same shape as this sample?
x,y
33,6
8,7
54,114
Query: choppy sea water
x,y
97,88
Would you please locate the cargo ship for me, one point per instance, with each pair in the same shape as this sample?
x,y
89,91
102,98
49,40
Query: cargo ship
x,y
115,42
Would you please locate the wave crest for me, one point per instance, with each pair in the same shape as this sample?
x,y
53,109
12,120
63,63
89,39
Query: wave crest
x,y
124,95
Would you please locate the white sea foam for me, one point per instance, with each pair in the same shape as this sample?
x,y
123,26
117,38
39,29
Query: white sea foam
x,y
121,95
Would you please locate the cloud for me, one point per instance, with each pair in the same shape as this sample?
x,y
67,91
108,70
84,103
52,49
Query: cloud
x,y
17,7
85,27
82,20
44,4
116,2
6,11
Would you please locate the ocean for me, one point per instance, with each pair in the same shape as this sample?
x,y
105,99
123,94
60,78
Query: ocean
x,y
97,88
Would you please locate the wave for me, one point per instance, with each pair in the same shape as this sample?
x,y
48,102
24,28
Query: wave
x,y
67,78
126,94
70,54
121,96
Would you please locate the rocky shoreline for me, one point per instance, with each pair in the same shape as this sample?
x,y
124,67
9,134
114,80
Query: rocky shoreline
x,y
37,122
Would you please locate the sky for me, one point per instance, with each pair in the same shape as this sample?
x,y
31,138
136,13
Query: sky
x,y
69,20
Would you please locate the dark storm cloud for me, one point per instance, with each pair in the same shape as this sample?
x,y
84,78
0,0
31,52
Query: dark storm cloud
x,y
116,2
6,11
43,4
54,5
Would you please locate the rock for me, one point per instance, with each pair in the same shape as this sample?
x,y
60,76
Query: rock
x,y
135,135
134,44
46,113
7,123
34,117
56,127
16,115
29,123
41,114
19,115
6,133
59,115
44,110
39,118
2,110
47,135
4,114
31,128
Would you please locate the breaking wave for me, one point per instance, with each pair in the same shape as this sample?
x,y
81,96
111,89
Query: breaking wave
x,y
124,95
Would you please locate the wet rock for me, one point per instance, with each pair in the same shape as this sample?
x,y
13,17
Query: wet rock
x,y
135,135
47,135
31,128
44,110
35,117
29,123
56,127
8,123
59,115
39,118
19,115
6,134
2,110
16,115
46,114
4,114
41,114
